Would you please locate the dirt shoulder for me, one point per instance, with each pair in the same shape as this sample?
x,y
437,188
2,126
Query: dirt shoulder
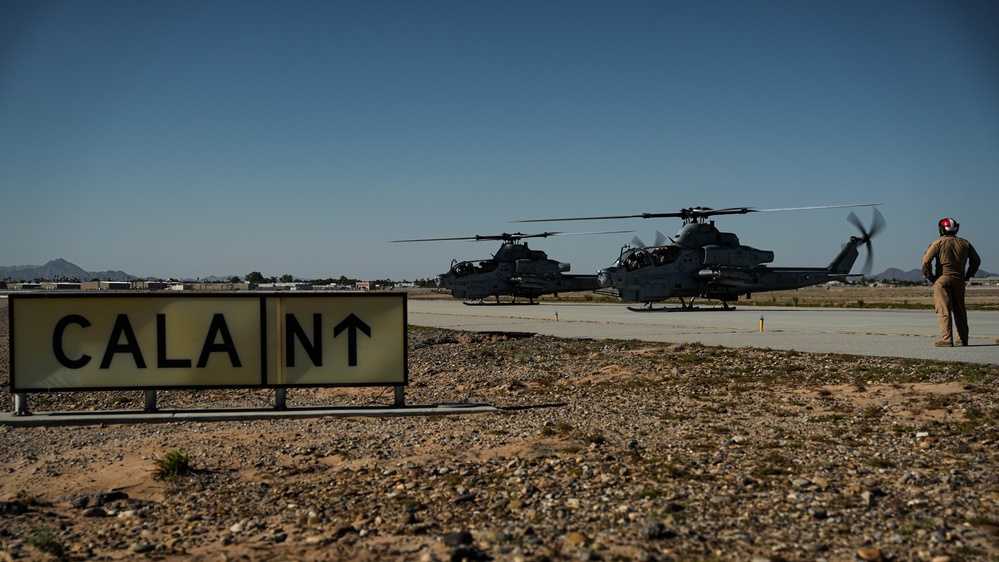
x,y
606,450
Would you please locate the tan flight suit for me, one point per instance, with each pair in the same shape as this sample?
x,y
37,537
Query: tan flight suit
x,y
952,254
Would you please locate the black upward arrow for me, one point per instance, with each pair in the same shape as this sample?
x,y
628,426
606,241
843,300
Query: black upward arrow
x,y
352,323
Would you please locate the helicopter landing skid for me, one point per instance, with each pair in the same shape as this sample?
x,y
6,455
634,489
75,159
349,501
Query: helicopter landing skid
x,y
684,307
499,303
678,309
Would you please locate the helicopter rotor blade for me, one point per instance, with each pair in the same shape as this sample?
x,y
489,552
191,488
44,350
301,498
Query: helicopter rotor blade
x,y
878,224
583,218
692,213
510,237
521,235
816,208
436,239
637,242
588,233
866,240
852,219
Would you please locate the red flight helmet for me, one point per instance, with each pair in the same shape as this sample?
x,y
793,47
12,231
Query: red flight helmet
x,y
948,226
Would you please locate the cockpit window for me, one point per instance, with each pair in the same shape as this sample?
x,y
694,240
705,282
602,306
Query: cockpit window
x,y
464,268
665,254
637,260
646,257
486,266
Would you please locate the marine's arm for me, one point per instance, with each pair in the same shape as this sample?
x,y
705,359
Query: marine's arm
x,y
928,257
974,261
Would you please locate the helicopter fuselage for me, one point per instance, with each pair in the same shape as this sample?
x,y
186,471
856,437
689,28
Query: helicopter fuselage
x,y
703,262
515,271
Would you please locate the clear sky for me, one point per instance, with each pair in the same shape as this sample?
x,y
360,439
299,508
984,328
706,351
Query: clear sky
x,y
194,138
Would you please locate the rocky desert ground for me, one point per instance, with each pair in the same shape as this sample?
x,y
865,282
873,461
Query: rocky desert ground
x,y
599,450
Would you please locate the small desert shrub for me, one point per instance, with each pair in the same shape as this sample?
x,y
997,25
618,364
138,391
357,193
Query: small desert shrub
x,y
175,463
43,540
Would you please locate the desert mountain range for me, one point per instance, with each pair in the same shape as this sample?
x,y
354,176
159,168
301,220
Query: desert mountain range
x,y
62,270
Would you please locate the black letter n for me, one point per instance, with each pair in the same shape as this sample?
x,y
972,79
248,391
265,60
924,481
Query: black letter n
x,y
294,331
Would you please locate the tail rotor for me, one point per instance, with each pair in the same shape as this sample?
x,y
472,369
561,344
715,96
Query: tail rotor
x,y
877,225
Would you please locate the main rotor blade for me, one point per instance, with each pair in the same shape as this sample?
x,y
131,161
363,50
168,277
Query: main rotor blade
x,y
697,212
815,208
513,236
480,237
583,218
521,235
588,233
436,239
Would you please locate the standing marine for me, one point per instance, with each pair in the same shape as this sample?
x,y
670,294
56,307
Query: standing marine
x,y
949,277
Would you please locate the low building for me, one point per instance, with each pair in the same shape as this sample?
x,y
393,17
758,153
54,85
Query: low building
x,y
60,286
150,285
106,286
284,287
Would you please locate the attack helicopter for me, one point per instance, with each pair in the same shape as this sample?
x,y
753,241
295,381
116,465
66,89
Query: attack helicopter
x,y
703,262
514,271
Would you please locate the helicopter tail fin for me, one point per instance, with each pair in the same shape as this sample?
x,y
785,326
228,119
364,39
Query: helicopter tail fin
x,y
843,262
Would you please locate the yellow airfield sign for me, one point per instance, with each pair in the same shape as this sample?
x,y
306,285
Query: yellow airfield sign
x,y
160,341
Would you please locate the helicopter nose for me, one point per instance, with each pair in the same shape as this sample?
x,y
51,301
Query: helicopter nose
x,y
441,280
605,278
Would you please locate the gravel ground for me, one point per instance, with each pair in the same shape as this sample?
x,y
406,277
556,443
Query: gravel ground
x,y
610,450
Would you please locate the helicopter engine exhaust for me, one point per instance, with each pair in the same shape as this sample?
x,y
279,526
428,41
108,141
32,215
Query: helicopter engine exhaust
x,y
739,256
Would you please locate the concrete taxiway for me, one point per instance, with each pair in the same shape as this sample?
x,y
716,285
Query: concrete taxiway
x,y
874,332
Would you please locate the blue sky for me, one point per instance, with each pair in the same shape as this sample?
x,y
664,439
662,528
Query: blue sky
x,y
189,138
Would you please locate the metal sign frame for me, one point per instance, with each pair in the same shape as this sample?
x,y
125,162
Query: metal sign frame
x,y
304,340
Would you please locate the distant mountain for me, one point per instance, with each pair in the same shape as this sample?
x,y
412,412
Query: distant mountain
x,y
893,274
59,270
62,270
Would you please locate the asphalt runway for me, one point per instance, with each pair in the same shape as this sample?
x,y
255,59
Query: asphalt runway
x,y
874,332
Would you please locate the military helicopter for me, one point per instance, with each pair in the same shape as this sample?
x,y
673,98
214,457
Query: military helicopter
x,y
701,261
514,270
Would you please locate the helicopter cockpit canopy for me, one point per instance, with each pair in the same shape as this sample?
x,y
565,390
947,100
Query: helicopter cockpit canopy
x,y
461,269
638,258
